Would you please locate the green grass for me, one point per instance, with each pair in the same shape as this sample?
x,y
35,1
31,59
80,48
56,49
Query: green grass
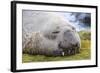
x,y
85,44
83,55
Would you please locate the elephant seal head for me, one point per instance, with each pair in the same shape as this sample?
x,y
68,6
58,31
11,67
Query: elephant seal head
x,y
69,41
66,37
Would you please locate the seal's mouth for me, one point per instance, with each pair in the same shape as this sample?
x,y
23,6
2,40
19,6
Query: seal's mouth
x,y
71,50
67,52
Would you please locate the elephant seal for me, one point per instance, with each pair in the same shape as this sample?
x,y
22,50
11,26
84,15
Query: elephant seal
x,y
48,33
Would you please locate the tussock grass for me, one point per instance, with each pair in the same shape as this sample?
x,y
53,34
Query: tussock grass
x,y
85,44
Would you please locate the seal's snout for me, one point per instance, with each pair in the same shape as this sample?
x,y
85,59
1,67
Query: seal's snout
x,y
70,42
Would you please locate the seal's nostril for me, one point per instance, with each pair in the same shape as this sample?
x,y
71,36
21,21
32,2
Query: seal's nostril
x,y
77,45
59,45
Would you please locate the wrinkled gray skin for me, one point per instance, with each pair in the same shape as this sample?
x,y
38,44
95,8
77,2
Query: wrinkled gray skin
x,y
48,33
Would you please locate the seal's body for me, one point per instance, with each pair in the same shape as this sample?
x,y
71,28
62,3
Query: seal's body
x,y
48,33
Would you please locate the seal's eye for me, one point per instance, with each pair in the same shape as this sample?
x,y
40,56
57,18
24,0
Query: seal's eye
x,y
55,32
73,28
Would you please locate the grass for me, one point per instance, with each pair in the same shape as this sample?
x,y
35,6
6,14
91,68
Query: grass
x,y
85,44
83,55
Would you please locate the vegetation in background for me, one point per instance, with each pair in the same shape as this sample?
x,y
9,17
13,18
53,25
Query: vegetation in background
x,y
85,35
